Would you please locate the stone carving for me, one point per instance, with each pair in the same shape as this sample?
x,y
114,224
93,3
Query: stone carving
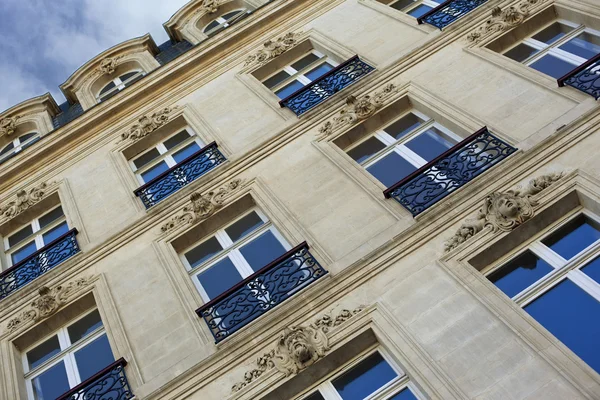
x,y
274,48
209,6
108,65
23,201
297,348
203,206
357,110
8,125
502,20
148,124
49,302
503,210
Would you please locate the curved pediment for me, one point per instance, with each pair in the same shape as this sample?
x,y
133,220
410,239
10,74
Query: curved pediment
x,y
32,114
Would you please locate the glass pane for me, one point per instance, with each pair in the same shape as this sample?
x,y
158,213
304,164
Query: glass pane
x,y
84,326
155,171
43,352
366,149
315,396
186,152
244,226
552,66
23,252
7,148
402,4
419,11
289,89
367,377
571,315
26,137
403,126
262,250
128,75
219,277
203,252
29,143
52,383
20,235
51,217
431,143
406,394
276,79
55,233
520,273
391,168
175,140
94,357
107,88
573,237
552,33
305,61
593,269
146,158
521,52
232,14
211,26
319,71
584,45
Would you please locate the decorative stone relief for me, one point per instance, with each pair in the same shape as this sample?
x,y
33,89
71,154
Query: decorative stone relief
x,y
8,125
49,302
108,65
203,206
503,211
297,348
210,6
274,48
24,200
502,20
148,124
357,110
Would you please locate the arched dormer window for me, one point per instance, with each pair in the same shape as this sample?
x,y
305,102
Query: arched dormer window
x,y
17,144
224,21
117,84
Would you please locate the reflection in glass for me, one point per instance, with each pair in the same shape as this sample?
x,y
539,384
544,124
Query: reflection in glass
x,y
20,235
431,143
146,158
404,125
405,394
276,79
155,171
552,66
366,149
419,11
262,250
391,168
51,217
186,152
367,377
573,237
23,252
319,71
521,52
593,269
84,326
244,226
55,233
93,357
203,252
305,61
219,278
314,396
289,89
177,139
552,33
584,45
51,383
520,273
43,352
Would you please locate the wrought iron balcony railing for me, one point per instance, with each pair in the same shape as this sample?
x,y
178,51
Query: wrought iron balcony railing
x,y
108,384
449,171
261,292
326,85
448,12
40,262
586,77
180,175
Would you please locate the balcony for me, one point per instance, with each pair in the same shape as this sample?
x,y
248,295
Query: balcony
x,y
108,384
586,77
326,86
261,292
38,263
180,175
449,171
448,12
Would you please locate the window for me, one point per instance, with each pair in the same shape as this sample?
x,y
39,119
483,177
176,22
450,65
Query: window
x,y
402,147
302,71
372,376
557,48
224,21
68,357
18,144
415,8
118,84
38,233
556,279
233,253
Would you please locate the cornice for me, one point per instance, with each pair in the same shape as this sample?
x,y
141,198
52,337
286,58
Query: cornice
x,y
37,104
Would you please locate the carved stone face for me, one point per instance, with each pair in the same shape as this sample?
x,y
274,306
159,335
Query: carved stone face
x,y
298,346
507,206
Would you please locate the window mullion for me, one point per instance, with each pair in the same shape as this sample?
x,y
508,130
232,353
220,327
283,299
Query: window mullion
x,y
240,263
328,391
410,155
586,283
546,254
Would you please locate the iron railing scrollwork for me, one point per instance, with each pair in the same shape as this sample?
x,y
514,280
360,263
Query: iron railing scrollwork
x,y
261,292
585,77
326,86
38,263
449,171
109,384
180,175
448,12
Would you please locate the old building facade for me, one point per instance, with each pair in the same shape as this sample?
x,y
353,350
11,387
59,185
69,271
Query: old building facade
x,y
312,199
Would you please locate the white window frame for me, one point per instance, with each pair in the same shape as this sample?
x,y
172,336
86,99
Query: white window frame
x,y
224,23
231,250
18,144
67,354
416,3
119,84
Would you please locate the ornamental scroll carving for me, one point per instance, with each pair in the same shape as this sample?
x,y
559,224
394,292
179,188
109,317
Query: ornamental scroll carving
x,y
24,200
108,65
297,348
274,48
357,110
203,205
148,124
210,6
503,211
8,125
48,303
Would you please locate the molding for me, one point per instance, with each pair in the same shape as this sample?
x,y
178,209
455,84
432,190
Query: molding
x,y
274,48
148,124
24,200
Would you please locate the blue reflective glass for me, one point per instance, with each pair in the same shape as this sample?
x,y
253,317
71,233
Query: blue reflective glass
x,y
51,383
319,71
584,45
289,89
552,66
55,233
203,252
406,394
23,252
186,152
573,237
41,353
366,149
430,143
403,126
94,357
368,376
391,168
262,250
84,326
593,269
572,316
552,33
154,171
219,277
419,11
520,273
244,226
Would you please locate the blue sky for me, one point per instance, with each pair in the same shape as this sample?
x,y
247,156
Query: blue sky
x,y
42,42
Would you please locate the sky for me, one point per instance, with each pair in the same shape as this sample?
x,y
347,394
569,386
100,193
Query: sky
x,y
42,42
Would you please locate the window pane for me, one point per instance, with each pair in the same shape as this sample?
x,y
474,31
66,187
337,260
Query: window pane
x,y
305,61
289,89
406,394
128,75
175,140
276,79
244,226
319,71
51,217
20,235
262,250
593,269
23,252
367,377
51,383
552,33
219,277
366,149
107,88
203,252
391,168
155,171
55,233
571,315
7,148
402,4
315,396
431,143
521,52
573,236
43,352
26,137
29,142
187,151
211,26
94,357
84,326
552,66
520,273
419,11
585,45
403,126
146,158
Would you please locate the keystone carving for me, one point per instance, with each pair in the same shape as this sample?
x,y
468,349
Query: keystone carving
x,y
210,6
23,201
503,211
49,302
297,348
274,48
148,124
8,125
357,110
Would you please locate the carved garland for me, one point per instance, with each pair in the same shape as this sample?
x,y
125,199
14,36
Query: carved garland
x,y
503,210
274,48
148,124
8,125
25,200
297,348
